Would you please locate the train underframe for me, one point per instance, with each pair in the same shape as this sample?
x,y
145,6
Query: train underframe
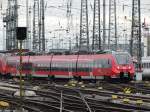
x,y
119,77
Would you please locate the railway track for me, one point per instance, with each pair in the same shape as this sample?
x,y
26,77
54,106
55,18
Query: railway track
x,y
134,88
62,99
109,94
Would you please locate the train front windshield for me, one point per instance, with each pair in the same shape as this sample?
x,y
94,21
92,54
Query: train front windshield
x,y
122,58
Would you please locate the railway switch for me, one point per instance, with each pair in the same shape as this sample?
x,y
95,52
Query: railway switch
x,y
82,86
36,88
126,100
73,85
66,85
100,88
139,102
80,83
127,90
114,97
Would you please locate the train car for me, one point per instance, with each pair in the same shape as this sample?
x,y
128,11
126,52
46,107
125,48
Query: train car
x,y
107,65
2,63
146,67
124,65
40,65
12,64
113,65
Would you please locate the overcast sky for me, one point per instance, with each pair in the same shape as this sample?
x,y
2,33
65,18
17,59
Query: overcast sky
x,y
55,15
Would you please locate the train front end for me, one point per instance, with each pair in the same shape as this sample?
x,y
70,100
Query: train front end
x,y
123,65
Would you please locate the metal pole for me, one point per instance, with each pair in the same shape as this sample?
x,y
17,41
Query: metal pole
x,y
109,25
43,26
20,72
139,40
27,24
116,43
87,23
131,41
104,23
61,102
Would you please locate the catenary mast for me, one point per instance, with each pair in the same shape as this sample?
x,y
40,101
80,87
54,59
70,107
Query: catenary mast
x,y
96,42
84,29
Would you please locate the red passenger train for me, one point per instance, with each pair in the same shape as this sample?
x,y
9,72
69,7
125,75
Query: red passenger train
x,y
89,66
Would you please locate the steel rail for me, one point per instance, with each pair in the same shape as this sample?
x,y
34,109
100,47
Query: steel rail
x,y
61,102
83,98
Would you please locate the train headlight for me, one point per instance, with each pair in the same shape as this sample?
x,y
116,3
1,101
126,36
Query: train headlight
x,y
118,67
129,67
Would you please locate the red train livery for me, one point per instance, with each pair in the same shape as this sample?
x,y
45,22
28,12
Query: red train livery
x,y
107,65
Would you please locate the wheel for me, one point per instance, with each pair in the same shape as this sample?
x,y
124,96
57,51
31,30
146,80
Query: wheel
x,y
78,78
107,78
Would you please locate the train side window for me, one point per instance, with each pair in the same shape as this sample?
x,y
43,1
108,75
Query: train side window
x,y
142,65
96,63
105,63
146,65
53,65
82,65
79,65
67,66
60,65
99,64
109,63
91,65
74,66
87,65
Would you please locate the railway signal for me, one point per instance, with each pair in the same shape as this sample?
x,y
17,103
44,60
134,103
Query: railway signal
x,y
21,35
